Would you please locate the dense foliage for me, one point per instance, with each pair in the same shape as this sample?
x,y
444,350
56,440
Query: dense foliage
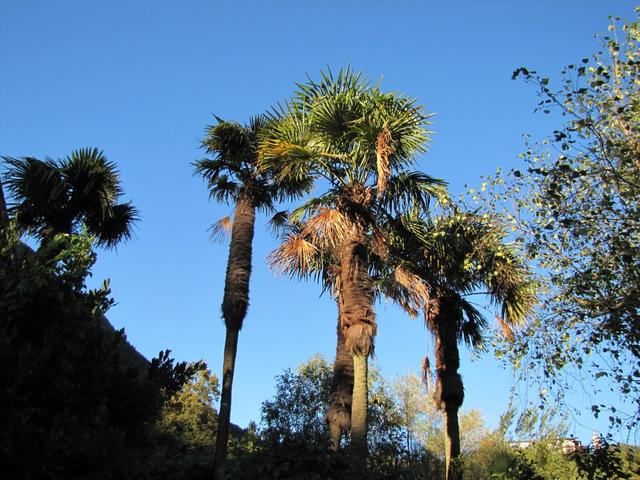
x,y
71,406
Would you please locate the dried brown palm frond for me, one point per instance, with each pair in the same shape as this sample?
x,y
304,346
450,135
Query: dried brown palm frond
x,y
379,245
426,374
359,323
431,313
333,271
417,290
294,256
327,227
384,149
507,329
220,230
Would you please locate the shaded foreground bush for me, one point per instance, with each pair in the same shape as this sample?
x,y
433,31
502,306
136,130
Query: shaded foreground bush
x,y
70,406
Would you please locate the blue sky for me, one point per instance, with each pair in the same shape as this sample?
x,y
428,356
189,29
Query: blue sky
x,y
140,80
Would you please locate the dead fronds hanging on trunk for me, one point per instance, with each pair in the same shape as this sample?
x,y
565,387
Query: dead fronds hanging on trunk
x,y
220,230
425,373
384,149
415,291
328,227
360,329
379,245
294,256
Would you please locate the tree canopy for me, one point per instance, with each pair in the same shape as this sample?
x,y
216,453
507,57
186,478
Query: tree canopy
x,y
574,206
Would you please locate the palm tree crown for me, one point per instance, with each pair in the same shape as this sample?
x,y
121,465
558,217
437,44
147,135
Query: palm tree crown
x,y
56,196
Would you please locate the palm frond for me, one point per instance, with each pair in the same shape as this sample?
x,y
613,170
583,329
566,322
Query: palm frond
x,y
384,149
327,227
221,230
472,325
223,189
414,290
93,181
115,226
294,257
279,222
413,189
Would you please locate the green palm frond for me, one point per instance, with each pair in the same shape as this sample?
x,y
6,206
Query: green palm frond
x,y
346,82
279,222
472,325
93,181
115,226
39,191
229,141
409,190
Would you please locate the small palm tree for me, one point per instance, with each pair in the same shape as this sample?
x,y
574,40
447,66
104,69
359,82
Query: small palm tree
x,y
57,196
232,177
361,142
460,255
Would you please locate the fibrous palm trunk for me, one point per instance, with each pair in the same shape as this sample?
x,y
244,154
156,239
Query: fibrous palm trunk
x,y
449,393
338,415
234,309
360,329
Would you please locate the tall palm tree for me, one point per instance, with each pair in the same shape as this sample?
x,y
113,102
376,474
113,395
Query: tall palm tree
x,y
460,255
232,177
360,141
57,196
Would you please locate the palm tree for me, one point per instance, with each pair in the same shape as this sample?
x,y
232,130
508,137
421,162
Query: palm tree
x,y
57,196
460,255
232,177
360,141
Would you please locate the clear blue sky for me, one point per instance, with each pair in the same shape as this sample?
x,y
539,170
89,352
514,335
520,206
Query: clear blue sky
x,y
141,79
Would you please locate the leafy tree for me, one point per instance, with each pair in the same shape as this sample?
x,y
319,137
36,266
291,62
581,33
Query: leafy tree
x,y
298,406
574,206
232,177
600,461
59,196
186,428
360,141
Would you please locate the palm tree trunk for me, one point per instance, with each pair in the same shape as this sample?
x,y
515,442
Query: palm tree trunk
x,y
359,322
452,443
359,412
224,416
338,415
449,393
234,309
